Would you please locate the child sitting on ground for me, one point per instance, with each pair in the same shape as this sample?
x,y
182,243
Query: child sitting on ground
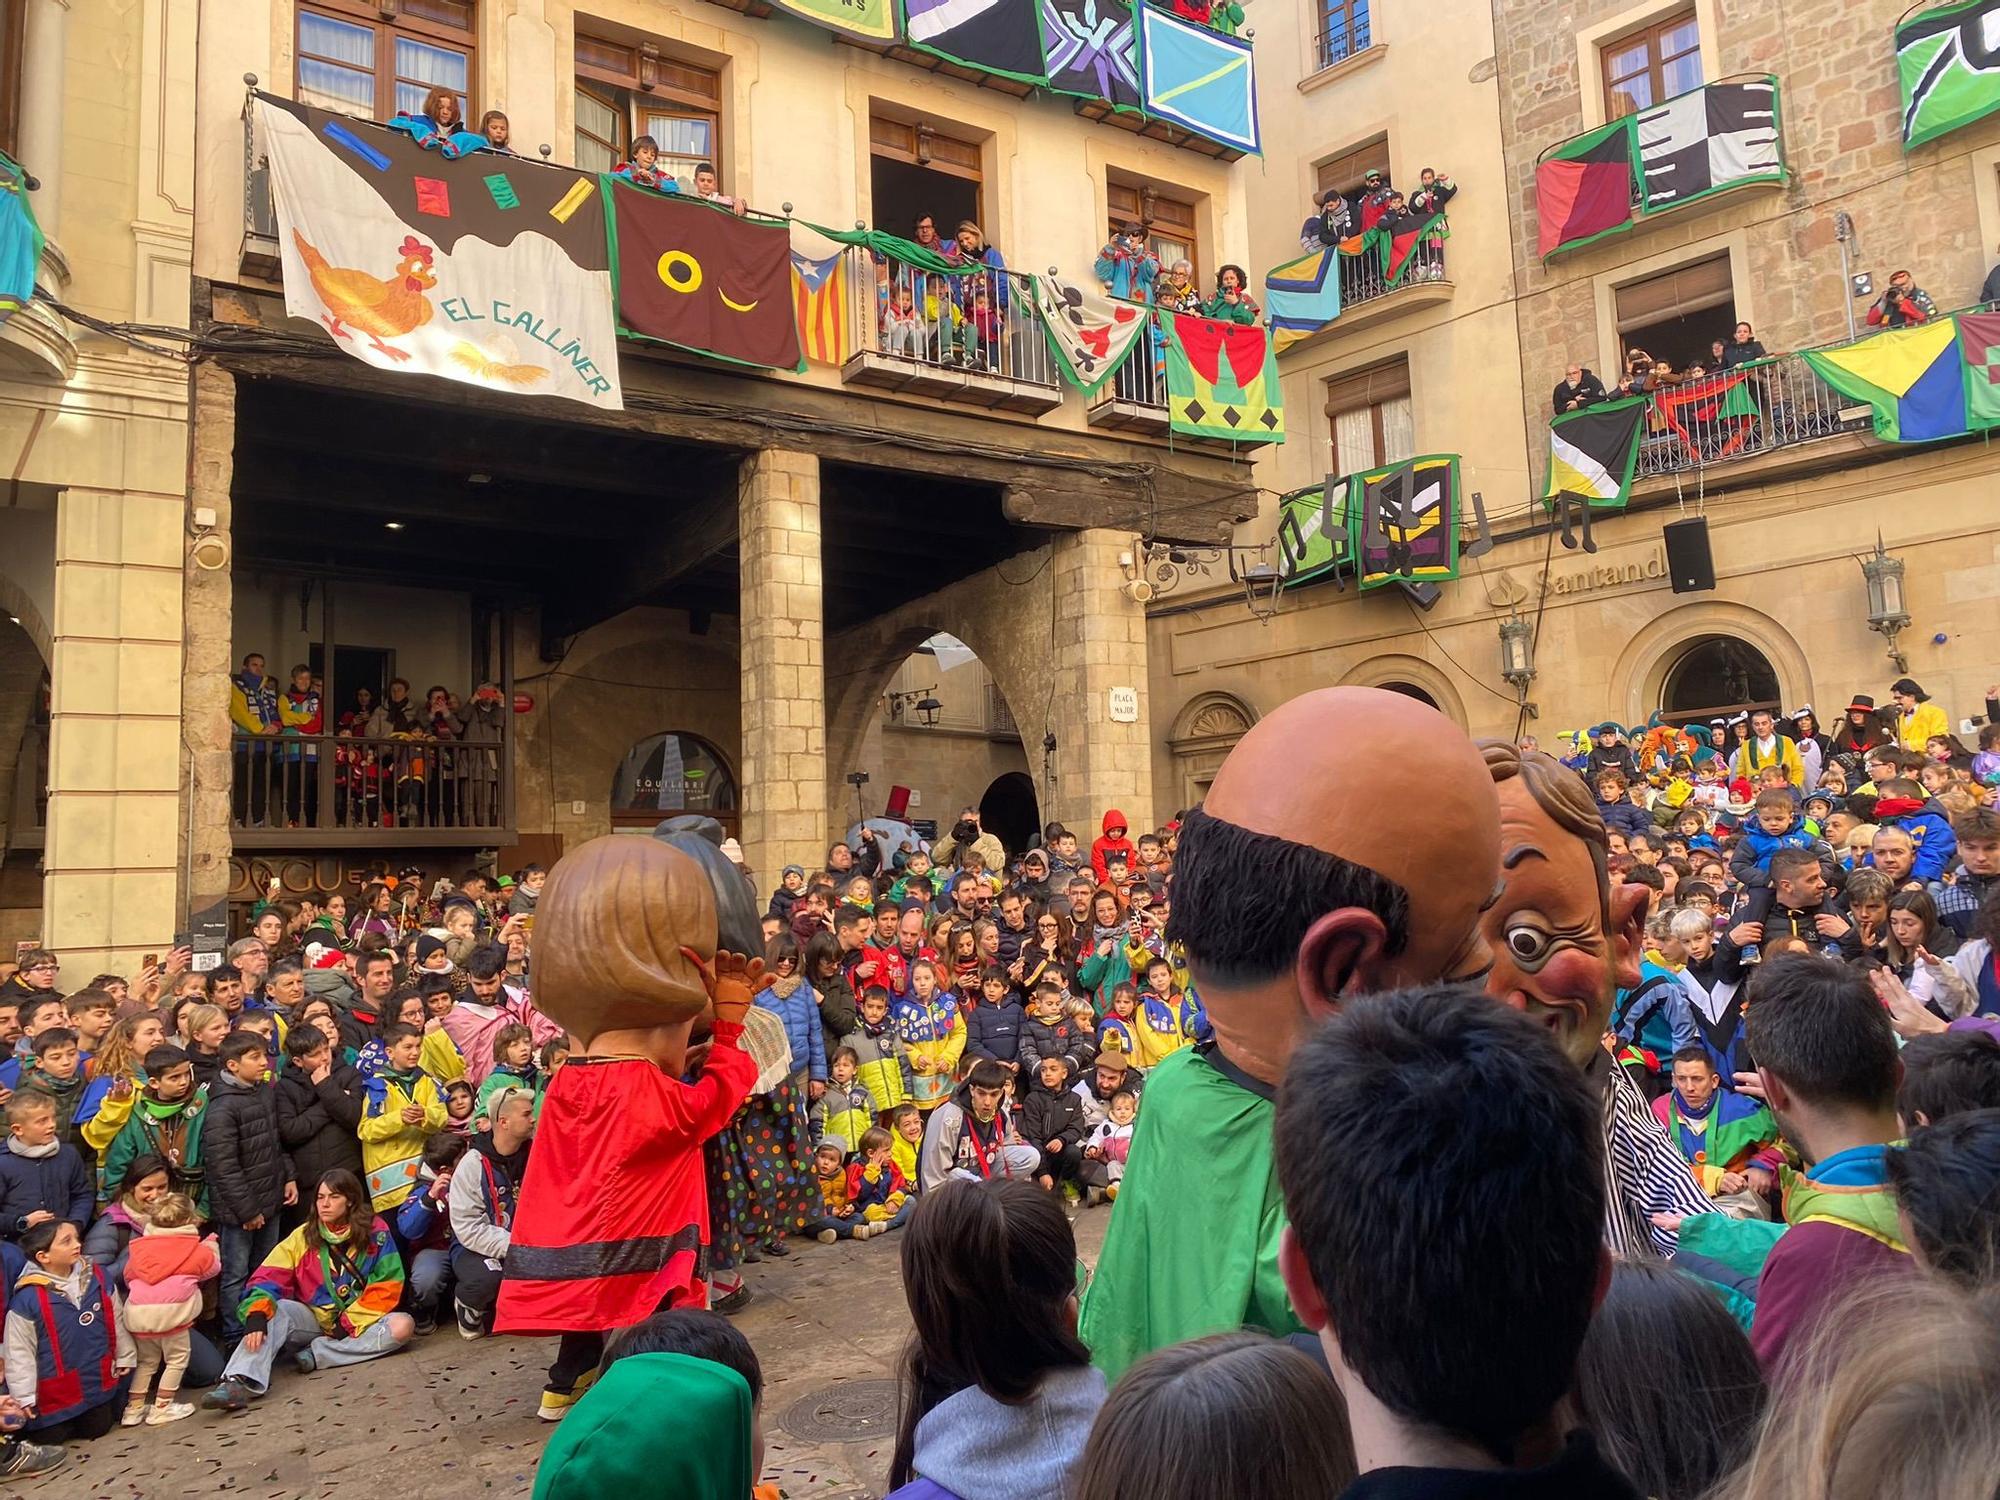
x,y
423,1230
1115,1031
846,1109
163,1276
876,1186
1105,1148
906,1125
1052,1122
837,1218
67,1343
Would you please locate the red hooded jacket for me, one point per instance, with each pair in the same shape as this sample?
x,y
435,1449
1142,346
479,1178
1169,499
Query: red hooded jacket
x,y
1104,848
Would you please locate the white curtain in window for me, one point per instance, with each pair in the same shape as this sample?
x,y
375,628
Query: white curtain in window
x,y
684,143
430,65
1354,440
1399,430
325,45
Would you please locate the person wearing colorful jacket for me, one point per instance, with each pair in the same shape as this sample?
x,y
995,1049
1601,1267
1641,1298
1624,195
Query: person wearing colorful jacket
x,y
882,1058
1112,842
933,1031
1917,718
400,1108
166,1122
1730,1141
846,1109
327,1295
1900,803
163,1274
68,1349
791,1000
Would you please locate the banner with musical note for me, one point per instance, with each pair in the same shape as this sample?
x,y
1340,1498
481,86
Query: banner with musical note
x,y
1397,524
1313,539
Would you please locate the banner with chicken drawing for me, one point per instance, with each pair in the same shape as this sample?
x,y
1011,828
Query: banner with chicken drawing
x,y
489,269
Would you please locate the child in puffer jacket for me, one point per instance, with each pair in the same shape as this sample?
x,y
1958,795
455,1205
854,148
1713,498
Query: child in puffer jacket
x,y
163,1276
876,1185
1052,1122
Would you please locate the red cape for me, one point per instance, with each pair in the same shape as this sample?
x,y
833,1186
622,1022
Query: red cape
x,y
613,1216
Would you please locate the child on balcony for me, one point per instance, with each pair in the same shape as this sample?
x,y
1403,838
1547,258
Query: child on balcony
x,y
643,168
903,332
439,126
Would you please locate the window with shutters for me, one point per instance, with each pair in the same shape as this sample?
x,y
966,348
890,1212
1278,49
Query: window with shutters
x,y
1167,220
1369,414
1652,65
1347,170
351,59
628,89
1677,316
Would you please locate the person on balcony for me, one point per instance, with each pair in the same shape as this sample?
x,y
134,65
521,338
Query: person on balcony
x,y
1742,348
300,716
1903,304
1126,267
903,332
1374,198
439,126
1989,290
481,722
1333,223
397,717
708,188
1178,291
973,250
498,131
253,709
643,169
1434,191
1232,302
1577,389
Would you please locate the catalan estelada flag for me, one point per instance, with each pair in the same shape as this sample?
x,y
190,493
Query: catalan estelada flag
x,y
819,295
1910,377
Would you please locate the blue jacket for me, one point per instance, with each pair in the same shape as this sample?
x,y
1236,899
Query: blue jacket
x,y
1930,830
59,1183
995,1030
1655,1015
1625,818
424,1222
800,1013
1751,863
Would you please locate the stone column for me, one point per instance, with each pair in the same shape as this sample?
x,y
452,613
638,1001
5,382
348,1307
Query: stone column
x,y
115,810
207,660
1100,645
783,770
44,41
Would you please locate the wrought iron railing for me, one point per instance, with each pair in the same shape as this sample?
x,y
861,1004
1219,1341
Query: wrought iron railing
x,y
1738,414
981,322
1363,278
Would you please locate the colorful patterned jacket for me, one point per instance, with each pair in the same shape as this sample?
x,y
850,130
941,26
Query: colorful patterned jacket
x,y
346,1290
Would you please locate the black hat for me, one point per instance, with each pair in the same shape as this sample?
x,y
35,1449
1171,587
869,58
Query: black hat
x,y
1908,685
426,946
1861,704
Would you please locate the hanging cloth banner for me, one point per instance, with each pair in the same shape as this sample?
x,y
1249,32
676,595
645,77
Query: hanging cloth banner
x,y
703,278
486,269
872,20
20,239
1092,51
884,246
1222,379
819,292
1090,334
1912,379
1199,79
1948,62
1313,539
1405,520
1583,188
1302,296
1002,37
1594,452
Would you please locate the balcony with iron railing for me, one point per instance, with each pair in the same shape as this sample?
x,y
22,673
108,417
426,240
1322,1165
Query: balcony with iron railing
x,y
1741,415
343,790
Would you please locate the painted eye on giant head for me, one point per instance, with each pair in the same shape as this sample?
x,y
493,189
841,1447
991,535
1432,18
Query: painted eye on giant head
x,y
1528,943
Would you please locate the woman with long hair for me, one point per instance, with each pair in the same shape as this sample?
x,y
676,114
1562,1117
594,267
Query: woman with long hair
x,y
117,1072
1047,955
1111,952
1266,1420
1915,951
205,1026
440,125
1668,1382
838,1014
378,905
998,1393
326,1296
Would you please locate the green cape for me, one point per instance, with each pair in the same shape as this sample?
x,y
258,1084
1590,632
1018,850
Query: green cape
x,y
654,1424
1193,1243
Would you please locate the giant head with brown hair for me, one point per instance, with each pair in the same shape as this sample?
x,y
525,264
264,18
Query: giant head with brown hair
x,y
618,929
1564,938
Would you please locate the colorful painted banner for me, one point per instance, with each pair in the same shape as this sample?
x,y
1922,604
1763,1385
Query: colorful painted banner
x,y
1979,346
1707,405
1003,37
1199,79
1313,539
1090,334
1583,188
1912,379
487,269
1222,379
703,278
874,20
1092,50
1712,138
1302,296
1405,517
1948,63
819,299
1593,453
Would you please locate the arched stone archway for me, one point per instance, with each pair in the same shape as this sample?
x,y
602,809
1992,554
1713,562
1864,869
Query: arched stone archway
x,y
1399,673
1205,731
1639,676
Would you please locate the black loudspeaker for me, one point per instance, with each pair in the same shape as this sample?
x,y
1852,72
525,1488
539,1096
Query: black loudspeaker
x,y
1690,565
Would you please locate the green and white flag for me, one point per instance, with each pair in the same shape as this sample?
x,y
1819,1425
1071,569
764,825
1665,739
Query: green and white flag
x,y
1593,453
1948,61
873,19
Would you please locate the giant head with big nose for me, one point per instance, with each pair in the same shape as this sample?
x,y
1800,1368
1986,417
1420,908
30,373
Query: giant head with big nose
x,y
1564,939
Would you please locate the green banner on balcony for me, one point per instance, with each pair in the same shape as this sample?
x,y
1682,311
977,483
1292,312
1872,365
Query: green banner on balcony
x,y
874,20
20,239
1222,380
1948,64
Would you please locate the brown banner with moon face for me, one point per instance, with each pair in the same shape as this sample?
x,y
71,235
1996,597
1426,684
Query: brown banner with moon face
x,y
703,278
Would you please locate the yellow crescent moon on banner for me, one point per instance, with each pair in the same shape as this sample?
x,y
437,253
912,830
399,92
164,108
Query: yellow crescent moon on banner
x,y
737,306
680,272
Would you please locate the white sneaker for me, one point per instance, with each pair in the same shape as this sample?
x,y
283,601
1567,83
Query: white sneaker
x,y
135,1413
173,1411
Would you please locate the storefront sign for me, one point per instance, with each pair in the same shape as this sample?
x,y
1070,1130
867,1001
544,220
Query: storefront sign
x,y
1603,576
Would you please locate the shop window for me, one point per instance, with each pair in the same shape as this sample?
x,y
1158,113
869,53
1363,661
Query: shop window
x,y
670,773
1650,66
1677,315
1168,221
1369,413
352,60
626,90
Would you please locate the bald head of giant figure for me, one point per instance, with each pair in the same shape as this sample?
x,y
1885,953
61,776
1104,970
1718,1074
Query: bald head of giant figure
x,y
1346,846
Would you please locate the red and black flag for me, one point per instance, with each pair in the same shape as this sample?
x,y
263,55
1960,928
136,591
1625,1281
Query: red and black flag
x,y
1583,188
1712,417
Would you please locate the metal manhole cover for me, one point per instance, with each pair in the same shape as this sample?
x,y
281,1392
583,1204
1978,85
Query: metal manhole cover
x,y
855,1411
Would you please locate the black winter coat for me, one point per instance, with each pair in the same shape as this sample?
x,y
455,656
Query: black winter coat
x,y
995,1030
1065,1039
247,1164
1050,1114
61,1184
316,1121
838,1013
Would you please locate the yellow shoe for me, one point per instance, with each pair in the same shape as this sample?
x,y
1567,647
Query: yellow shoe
x,y
556,1404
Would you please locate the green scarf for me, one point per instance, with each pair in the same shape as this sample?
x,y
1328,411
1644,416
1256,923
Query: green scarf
x,y
157,1110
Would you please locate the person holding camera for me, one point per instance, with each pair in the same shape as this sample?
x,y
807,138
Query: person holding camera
x,y
479,721
1903,305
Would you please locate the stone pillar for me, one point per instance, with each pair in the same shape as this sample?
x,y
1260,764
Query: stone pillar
x,y
1100,645
783,770
44,41
115,809
208,657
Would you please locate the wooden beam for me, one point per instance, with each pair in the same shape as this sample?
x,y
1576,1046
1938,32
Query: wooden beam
x,y
695,537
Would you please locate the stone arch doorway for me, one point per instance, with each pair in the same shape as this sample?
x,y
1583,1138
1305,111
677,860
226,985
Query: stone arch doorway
x,y
1715,677
1010,812
670,773
1413,677
1411,690
1639,679
1206,730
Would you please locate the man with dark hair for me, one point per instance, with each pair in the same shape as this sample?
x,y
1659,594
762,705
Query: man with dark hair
x,y
1951,1073
475,1021
972,1134
1293,893
1827,1065
1565,938
1947,1184
1803,907
1443,1168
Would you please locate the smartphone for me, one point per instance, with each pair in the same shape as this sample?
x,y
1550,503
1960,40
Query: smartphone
x,y
150,961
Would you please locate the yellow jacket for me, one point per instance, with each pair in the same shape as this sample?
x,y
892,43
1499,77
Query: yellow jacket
x,y
1914,729
1748,761
391,1150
